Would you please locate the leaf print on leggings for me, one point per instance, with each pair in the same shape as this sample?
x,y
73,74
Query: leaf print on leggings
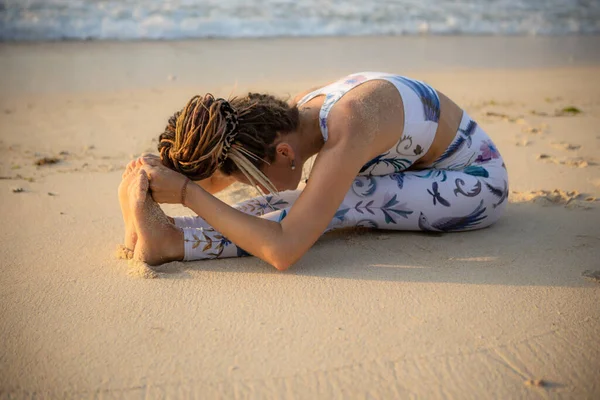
x,y
501,193
367,223
362,188
217,239
399,178
282,215
359,207
437,197
399,164
488,151
449,224
434,173
390,210
259,207
476,170
341,214
471,193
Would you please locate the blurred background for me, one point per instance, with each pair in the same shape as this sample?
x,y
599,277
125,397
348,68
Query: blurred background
x,y
38,20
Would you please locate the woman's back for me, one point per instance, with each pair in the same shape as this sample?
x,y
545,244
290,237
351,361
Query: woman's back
x,y
429,119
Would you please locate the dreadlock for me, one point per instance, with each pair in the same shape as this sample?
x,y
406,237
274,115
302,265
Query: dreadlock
x,y
235,135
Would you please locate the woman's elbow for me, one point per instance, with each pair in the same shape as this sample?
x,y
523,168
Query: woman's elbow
x,y
282,259
281,265
284,252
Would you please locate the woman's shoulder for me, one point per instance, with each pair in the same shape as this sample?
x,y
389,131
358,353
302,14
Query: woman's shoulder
x,y
369,113
350,79
296,99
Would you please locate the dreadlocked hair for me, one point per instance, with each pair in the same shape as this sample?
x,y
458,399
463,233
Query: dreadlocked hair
x,y
198,139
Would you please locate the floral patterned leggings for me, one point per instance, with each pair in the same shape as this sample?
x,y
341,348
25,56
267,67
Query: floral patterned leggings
x,y
465,189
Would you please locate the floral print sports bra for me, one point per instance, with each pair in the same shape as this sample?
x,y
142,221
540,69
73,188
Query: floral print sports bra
x,y
421,116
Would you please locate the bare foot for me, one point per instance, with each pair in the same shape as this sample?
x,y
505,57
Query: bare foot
x,y
130,233
158,240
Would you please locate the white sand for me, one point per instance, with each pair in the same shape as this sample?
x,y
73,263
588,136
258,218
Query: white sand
x,y
375,314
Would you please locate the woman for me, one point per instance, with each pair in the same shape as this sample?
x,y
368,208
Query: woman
x,y
392,153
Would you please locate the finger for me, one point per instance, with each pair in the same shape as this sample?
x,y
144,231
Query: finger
x,y
136,167
150,160
150,156
128,170
147,170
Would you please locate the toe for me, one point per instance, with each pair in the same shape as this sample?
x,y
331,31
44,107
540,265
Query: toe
x,y
138,187
130,166
129,169
144,182
134,187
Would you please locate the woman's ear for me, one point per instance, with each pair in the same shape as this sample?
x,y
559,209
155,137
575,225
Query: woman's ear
x,y
285,150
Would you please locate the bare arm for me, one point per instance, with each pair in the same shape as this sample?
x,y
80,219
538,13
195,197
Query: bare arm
x,y
216,183
360,127
283,243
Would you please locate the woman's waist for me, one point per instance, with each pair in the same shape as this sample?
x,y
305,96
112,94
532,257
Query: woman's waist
x,y
470,145
451,117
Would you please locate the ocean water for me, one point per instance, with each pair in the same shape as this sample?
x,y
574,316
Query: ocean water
x,y
180,19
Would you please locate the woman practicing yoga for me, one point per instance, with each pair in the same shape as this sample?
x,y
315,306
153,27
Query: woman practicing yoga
x,y
392,153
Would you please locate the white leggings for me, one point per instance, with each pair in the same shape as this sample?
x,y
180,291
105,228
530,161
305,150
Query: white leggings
x,y
465,189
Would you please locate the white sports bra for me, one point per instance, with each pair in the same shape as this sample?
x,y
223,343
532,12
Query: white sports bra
x,y
421,116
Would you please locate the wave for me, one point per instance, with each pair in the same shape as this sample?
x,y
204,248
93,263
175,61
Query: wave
x,y
183,19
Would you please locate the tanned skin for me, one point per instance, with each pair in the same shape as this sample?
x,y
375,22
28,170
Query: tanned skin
x,y
364,123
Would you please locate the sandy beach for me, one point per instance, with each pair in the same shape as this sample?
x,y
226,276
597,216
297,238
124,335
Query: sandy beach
x,y
505,312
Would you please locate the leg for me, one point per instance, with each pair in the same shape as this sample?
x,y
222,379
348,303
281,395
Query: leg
x,y
256,206
465,189
429,200
201,241
158,240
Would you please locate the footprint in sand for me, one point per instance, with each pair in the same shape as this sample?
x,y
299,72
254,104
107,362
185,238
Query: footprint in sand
x,y
568,111
574,162
504,117
591,275
552,99
523,143
569,199
535,130
565,146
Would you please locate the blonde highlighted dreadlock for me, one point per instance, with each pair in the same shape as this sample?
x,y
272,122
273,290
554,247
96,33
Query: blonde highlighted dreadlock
x,y
236,135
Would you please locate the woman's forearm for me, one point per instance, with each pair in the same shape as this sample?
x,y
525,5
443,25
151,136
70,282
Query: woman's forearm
x,y
260,237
